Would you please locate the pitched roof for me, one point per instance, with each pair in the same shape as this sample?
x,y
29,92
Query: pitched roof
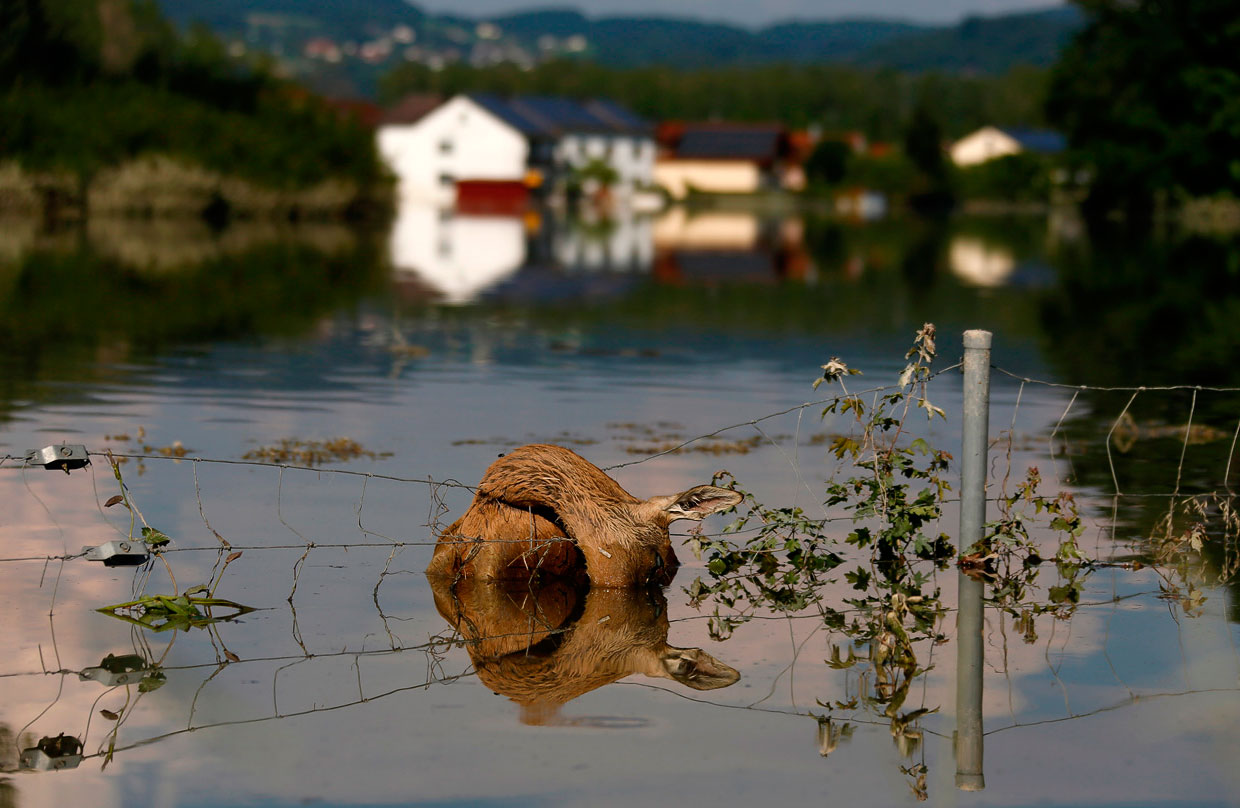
x,y
1043,141
620,117
561,114
551,116
410,109
714,142
523,122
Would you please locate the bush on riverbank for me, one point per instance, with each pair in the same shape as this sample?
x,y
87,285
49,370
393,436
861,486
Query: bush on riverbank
x,y
121,103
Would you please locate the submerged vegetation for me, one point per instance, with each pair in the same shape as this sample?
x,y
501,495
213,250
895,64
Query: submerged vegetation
x,y
312,452
197,606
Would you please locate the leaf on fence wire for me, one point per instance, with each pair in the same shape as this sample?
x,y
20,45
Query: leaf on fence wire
x,y
154,538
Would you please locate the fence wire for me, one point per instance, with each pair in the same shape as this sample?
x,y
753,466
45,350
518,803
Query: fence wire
x,y
1071,441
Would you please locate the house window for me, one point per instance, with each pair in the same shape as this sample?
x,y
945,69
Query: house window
x,y
445,146
446,179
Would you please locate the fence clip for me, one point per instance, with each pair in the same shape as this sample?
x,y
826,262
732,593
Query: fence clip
x,y
66,457
52,754
118,553
116,670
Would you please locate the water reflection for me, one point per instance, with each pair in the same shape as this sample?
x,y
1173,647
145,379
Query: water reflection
x,y
154,246
543,645
981,264
458,257
455,256
292,337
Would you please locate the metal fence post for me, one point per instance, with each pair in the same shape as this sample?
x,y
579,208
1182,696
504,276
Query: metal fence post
x,y
969,647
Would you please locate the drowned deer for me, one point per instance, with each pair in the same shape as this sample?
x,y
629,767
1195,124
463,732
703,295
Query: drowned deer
x,y
541,647
546,508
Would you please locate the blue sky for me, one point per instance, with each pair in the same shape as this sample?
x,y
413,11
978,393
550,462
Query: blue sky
x,y
754,12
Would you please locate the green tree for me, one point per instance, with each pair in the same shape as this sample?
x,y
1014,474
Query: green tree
x,y
923,143
835,97
86,84
1148,94
828,163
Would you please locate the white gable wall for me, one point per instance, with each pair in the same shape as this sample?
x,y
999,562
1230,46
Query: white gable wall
x,y
632,157
457,141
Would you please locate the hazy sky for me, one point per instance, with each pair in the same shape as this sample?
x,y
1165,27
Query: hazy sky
x,y
753,12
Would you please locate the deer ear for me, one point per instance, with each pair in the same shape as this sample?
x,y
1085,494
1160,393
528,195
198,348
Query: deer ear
x,y
701,501
697,669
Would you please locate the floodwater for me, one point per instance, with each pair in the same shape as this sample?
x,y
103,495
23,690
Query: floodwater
x,y
191,355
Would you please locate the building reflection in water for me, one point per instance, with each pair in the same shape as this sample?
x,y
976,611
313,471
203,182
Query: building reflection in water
x,y
980,263
456,256
729,246
622,243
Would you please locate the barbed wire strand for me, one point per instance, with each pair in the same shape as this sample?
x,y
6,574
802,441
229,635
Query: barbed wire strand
x,y
1114,389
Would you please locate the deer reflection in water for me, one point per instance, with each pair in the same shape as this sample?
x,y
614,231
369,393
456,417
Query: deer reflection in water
x,y
544,645
546,508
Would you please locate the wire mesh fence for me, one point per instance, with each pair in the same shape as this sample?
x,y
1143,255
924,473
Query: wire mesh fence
x,y
1148,469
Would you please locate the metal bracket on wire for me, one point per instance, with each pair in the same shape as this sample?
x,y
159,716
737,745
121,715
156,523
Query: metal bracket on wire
x,y
64,457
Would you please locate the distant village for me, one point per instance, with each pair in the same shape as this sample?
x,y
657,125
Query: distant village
x,y
480,44
481,152
475,171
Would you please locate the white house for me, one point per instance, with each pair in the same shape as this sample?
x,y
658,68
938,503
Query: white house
x,y
991,142
608,133
525,139
457,140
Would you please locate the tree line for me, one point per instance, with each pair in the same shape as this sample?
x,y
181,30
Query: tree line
x,y
878,102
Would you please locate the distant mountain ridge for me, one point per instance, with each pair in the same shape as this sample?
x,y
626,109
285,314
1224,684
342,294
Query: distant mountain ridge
x,y
638,41
980,44
366,31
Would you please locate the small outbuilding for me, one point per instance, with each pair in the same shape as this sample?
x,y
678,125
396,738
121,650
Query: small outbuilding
x,y
727,158
991,142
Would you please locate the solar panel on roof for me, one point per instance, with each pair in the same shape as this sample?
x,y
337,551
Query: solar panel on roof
x,y
1044,141
619,117
551,116
716,143
502,109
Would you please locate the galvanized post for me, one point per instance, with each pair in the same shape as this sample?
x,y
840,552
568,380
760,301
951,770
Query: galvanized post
x,y
969,647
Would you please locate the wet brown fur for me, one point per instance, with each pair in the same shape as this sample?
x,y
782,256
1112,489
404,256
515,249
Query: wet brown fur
x,y
545,508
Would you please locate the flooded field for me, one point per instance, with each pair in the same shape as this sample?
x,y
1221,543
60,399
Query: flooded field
x,y
300,412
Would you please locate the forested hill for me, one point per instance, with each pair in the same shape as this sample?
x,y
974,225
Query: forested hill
x,y
979,44
378,34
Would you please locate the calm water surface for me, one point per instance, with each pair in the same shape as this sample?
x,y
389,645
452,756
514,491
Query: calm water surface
x,y
449,340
